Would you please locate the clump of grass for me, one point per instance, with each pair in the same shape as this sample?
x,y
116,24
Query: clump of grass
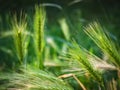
x,y
34,79
39,22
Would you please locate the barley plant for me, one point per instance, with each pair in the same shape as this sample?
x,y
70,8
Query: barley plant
x,y
39,23
21,40
98,34
97,68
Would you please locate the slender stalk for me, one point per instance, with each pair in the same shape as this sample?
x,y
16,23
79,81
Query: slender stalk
x,y
74,76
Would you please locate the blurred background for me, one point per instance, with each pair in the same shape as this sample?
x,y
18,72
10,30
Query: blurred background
x,y
106,11
77,14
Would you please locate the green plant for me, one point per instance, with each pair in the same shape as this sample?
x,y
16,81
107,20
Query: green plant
x,y
21,40
78,53
39,22
98,34
95,67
